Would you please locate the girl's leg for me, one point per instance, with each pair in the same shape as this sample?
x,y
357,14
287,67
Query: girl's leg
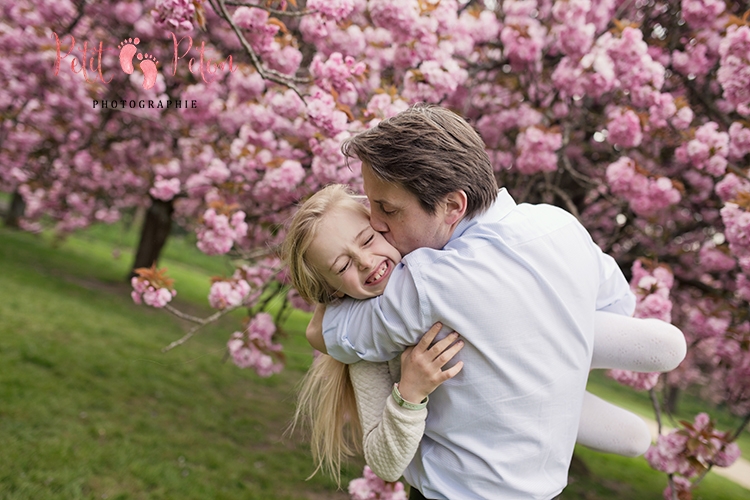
x,y
641,345
624,343
611,429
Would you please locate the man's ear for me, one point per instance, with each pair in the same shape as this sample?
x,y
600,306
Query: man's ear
x,y
455,206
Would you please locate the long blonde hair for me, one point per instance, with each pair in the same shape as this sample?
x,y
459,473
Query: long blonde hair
x,y
327,406
326,402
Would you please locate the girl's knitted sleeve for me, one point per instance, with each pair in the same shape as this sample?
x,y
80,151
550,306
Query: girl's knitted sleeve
x,y
391,433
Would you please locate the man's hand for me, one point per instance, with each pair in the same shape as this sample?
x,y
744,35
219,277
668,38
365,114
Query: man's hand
x,y
422,366
314,331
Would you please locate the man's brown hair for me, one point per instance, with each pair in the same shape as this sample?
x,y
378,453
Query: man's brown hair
x,y
430,151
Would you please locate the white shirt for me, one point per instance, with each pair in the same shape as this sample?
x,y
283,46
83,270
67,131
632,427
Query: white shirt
x,y
520,283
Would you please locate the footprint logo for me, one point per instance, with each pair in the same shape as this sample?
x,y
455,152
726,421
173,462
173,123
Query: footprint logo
x,y
148,66
128,51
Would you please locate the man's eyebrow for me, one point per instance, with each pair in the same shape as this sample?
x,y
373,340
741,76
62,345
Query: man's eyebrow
x,y
356,238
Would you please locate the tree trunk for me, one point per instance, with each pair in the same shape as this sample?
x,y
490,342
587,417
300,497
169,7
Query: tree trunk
x,y
154,233
670,399
15,210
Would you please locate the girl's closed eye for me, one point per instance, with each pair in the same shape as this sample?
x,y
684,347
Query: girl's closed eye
x,y
369,240
346,266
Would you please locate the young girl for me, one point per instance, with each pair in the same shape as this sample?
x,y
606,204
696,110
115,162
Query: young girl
x,y
333,252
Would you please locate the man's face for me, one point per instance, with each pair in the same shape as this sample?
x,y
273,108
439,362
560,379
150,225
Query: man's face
x,y
397,214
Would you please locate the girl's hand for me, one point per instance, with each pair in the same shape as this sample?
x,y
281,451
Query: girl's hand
x,y
422,366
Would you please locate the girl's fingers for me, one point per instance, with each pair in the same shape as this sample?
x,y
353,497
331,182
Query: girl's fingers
x,y
406,353
429,336
443,344
448,354
452,371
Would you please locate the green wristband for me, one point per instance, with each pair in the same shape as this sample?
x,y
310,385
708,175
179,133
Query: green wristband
x,y
404,403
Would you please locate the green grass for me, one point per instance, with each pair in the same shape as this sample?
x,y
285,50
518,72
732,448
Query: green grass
x,y
90,408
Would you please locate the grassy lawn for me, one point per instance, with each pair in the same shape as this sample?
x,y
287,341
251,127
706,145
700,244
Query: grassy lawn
x,y
91,409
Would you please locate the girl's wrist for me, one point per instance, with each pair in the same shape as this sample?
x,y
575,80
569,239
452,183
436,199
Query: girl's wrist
x,y
407,399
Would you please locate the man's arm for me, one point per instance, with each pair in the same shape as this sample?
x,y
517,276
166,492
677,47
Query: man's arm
x,y
614,293
377,329
314,332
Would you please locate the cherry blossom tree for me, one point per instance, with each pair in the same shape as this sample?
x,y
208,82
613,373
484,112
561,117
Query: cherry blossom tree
x,y
631,114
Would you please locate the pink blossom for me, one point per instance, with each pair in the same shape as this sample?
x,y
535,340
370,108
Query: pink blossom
x,y
636,380
219,232
574,35
682,486
286,59
400,18
433,81
683,118
250,17
336,73
695,61
145,292
701,13
280,181
730,186
537,150
713,259
662,109
371,487
228,293
523,39
335,10
624,128
737,231
739,141
734,68
174,15
165,189
255,348
298,302
646,195
321,109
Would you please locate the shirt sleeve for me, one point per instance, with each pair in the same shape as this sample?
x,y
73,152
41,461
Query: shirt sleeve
x,y
614,293
391,434
380,328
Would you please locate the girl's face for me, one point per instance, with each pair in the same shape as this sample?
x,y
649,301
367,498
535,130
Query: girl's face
x,y
354,258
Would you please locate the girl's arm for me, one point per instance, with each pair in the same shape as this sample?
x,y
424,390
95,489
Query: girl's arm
x,y
391,433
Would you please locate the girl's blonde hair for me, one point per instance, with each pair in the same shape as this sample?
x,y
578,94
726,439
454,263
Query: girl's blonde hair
x,y
302,230
326,405
325,402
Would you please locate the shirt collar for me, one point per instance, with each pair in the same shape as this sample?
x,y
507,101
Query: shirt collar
x,y
501,207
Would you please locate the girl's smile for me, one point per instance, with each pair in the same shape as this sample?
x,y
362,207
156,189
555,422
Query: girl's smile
x,y
354,259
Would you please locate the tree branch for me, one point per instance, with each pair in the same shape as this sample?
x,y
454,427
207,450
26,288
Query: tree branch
x,y
201,323
265,73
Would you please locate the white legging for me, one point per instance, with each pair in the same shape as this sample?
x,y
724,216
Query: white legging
x,y
620,342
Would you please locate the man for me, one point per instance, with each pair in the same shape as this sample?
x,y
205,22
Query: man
x,y
520,283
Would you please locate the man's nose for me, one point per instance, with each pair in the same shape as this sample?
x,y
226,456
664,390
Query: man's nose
x,y
378,224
